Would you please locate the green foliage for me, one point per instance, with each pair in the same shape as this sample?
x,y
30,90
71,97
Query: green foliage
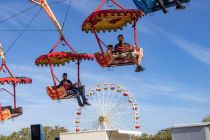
x,y
162,135
24,134
206,119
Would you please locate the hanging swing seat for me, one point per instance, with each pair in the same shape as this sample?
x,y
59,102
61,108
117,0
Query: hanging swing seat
x,y
8,112
15,80
108,20
149,6
121,57
59,93
5,115
57,59
61,58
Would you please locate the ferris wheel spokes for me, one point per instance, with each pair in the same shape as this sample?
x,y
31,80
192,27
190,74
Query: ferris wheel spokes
x,y
111,108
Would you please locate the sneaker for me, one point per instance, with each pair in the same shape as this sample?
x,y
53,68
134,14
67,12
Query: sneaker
x,y
86,103
180,7
81,105
139,69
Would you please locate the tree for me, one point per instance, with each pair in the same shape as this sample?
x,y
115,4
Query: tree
x,y
53,132
163,135
145,136
50,133
206,119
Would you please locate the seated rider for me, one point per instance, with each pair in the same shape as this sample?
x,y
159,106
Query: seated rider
x,y
122,44
110,48
67,84
178,5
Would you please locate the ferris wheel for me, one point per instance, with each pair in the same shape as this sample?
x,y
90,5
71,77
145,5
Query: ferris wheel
x,y
112,107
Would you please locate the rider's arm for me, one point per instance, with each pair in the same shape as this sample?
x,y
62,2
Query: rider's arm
x,y
61,84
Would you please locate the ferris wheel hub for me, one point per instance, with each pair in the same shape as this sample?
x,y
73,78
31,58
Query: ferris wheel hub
x,y
103,119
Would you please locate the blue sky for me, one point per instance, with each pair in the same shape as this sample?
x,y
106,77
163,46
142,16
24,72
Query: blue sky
x,y
174,89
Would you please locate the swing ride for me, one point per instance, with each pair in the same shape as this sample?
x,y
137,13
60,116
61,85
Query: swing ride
x,y
60,58
111,104
150,6
9,112
111,91
112,20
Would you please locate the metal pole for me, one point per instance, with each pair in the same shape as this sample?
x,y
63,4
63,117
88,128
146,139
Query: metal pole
x,y
53,75
98,40
135,36
10,73
54,80
69,45
57,43
101,4
78,73
14,87
48,10
1,112
118,4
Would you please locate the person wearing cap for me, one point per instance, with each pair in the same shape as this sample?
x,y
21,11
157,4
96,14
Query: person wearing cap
x,y
68,85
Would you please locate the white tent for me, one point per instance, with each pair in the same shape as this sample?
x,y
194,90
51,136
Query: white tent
x,y
100,135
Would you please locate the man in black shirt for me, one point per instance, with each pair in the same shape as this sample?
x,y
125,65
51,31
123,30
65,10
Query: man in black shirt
x,y
121,42
69,86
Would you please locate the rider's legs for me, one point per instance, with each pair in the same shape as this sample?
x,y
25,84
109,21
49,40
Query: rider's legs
x,y
161,4
179,5
82,94
77,96
139,56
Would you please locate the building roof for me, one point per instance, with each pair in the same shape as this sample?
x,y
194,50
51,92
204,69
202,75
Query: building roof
x,y
135,133
190,125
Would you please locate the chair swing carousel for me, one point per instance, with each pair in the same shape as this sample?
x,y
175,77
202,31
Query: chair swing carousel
x,y
150,6
112,20
60,58
9,112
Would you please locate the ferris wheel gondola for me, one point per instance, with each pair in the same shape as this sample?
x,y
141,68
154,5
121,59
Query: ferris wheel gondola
x,y
9,112
60,58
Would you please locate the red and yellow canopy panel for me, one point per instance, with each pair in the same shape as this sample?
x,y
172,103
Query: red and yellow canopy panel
x,y
15,80
60,58
108,20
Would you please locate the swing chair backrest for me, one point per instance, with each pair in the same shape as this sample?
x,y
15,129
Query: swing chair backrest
x,y
110,20
56,93
59,93
13,112
148,6
5,115
113,59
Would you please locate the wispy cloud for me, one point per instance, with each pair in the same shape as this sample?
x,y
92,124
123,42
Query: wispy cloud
x,y
197,51
8,10
170,89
